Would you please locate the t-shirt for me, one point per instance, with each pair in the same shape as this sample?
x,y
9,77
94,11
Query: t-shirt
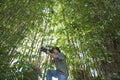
x,y
60,63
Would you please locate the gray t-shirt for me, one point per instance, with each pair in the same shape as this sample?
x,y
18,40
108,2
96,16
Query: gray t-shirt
x,y
60,63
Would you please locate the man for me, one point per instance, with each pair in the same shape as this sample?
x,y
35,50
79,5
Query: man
x,y
59,60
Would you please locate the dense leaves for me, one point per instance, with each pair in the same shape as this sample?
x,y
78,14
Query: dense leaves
x,y
87,31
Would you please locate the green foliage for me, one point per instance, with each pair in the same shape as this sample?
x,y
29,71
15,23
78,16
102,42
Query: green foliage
x,y
87,31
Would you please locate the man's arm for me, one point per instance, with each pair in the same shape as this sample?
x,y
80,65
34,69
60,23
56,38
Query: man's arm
x,y
52,55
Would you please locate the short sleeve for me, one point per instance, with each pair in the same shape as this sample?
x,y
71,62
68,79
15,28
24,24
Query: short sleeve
x,y
61,56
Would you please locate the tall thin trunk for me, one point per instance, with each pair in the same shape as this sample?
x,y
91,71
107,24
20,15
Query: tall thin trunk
x,y
32,46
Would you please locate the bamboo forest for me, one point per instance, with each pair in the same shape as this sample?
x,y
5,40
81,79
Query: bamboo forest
x,y
86,31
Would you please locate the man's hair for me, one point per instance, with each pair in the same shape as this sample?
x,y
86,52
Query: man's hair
x,y
57,48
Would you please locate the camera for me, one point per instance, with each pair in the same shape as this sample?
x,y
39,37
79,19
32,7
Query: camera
x,y
43,49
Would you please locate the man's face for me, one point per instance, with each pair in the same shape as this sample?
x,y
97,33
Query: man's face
x,y
55,51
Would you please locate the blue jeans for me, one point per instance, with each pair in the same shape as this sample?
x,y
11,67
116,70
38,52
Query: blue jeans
x,y
54,73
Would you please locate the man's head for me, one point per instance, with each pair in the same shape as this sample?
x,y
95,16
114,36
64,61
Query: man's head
x,y
56,50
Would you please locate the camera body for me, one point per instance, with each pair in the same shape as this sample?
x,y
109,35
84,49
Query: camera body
x,y
43,49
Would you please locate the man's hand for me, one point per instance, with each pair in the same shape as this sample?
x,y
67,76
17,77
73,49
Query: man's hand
x,y
48,52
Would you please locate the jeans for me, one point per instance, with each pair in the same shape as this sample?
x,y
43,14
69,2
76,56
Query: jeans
x,y
54,73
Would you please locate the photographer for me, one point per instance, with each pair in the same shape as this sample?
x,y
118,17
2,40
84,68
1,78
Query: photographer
x,y
57,58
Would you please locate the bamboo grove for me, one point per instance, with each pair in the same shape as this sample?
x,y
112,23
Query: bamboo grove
x,y
87,31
